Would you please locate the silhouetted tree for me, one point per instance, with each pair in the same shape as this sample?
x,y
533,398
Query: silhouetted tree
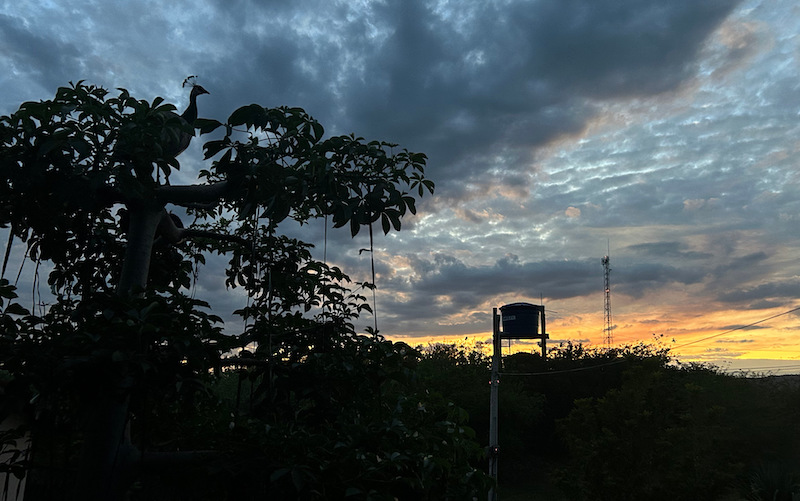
x,y
124,352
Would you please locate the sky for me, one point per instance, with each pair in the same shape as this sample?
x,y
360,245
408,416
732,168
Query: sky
x,y
664,134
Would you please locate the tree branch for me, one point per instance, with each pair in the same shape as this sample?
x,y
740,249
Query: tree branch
x,y
204,195
222,237
170,231
232,361
160,461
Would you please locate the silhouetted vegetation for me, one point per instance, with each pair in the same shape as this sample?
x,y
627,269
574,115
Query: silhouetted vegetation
x,y
125,380
628,423
130,389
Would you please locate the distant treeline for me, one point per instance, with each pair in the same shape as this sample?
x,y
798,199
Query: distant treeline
x,y
627,423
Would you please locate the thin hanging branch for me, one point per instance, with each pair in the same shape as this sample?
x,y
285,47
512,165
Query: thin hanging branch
x,y
372,263
270,354
35,288
21,266
8,252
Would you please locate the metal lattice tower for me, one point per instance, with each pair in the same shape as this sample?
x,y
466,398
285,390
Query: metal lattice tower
x,y
608,337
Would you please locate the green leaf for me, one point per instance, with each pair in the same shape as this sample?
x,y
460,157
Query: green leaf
x,y
211,148
250,115
6,290
385,223
318,130
394,216
206,125
411,203
16,309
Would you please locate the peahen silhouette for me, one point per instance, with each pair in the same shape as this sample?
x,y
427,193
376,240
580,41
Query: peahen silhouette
x,y
137,147
188,117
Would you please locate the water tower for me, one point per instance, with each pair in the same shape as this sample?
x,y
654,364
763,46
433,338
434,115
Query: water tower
x,y
522,321
519,321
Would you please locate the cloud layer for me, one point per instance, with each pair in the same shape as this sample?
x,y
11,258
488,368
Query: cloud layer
x,y
555,129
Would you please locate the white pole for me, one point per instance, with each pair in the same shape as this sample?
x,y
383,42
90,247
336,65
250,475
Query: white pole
x,y
495,383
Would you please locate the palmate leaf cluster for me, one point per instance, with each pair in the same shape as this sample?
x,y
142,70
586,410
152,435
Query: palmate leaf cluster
x,y
403,442
67,163
85,187
354,182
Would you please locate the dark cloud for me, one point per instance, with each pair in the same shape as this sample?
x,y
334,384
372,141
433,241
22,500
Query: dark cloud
x,y
42,56
638,279
625,48
740,328
675,250
734,272
448,276
770,294
552,128
461,84
447,283
765,304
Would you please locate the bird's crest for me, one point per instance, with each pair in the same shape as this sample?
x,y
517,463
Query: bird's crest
x,y
197,89
191,81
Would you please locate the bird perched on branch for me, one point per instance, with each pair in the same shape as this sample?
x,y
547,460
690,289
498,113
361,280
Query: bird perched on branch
x,y
159,137
188,116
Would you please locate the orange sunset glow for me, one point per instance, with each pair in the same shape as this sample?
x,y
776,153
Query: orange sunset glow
x,y
554,136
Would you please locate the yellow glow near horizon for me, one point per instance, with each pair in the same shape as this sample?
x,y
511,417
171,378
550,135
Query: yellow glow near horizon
x,y
718,335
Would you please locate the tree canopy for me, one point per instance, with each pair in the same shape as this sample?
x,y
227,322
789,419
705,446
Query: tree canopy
x,y
85,184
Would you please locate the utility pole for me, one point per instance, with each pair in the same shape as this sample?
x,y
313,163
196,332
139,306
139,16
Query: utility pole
x,y
544,333
493,403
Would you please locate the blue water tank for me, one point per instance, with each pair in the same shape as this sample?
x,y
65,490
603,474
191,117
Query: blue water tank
x,y
520,320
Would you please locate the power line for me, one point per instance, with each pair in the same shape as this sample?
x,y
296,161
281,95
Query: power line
x,y
766,367
578,369
600,366
736,328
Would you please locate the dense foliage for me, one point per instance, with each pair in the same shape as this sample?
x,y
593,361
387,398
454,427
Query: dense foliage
x,y
350,422
121,377
628,423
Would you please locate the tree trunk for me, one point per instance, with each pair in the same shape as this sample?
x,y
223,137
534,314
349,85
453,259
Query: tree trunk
x,y
108,460
141,234
106,467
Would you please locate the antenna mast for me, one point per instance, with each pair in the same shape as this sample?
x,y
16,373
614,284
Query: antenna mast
x,y
608,337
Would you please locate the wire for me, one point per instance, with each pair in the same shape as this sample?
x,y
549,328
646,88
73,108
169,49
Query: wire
x,y
765,368
736,329
579,369
672,348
